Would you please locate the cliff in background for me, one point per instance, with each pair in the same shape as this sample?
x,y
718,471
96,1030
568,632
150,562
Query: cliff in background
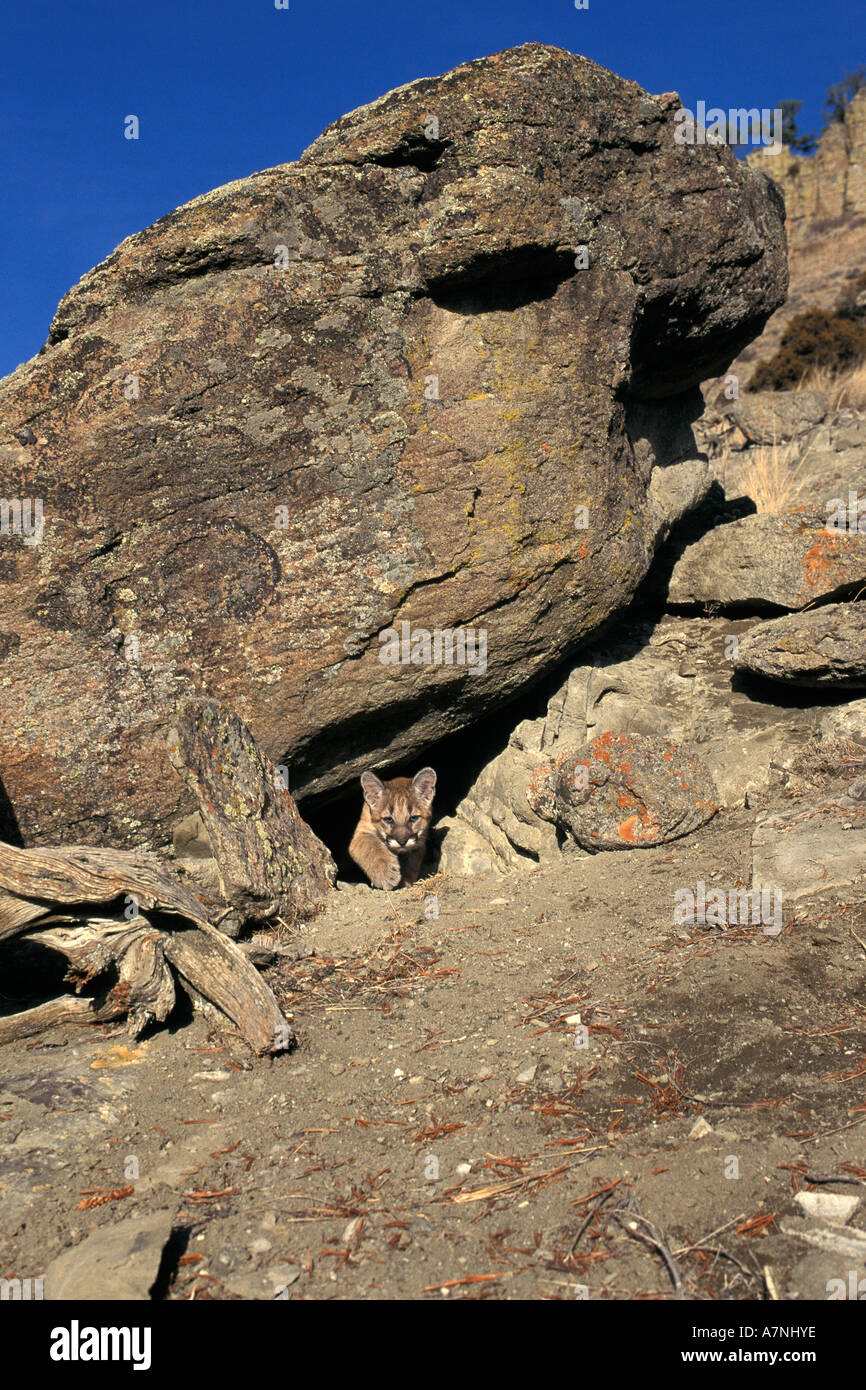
x,y
825,206
829,183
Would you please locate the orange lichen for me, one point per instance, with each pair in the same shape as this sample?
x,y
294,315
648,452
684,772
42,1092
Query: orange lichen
x,y
639,829
823,563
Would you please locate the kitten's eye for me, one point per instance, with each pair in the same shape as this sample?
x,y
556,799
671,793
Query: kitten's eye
x,y
387,820
414,819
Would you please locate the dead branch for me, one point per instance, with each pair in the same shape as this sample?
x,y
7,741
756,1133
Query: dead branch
x,y
53,896
270,862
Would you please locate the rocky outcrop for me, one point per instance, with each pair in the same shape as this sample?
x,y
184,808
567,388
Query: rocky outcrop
x,y
824,646
825,200
804,469
293,431
829,183
769,560
670,679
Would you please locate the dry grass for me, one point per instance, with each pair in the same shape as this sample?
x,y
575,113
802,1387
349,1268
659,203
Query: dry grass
x,y
773,476
843,386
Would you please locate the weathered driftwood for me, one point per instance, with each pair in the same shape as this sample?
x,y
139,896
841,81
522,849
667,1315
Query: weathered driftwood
x,y
271,864
160,927
134,952
33,881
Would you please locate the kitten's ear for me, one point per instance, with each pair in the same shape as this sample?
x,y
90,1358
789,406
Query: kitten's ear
x,y
374,790
424,785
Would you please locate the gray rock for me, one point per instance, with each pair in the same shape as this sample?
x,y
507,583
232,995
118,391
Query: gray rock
x,y
775,417
466,851
763,418
846,721
675,491
190,838
850,1244
118,1262
769,560
822,647
835,1207
808,849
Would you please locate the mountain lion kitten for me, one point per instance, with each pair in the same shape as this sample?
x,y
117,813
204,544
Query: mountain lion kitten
x,y
391,836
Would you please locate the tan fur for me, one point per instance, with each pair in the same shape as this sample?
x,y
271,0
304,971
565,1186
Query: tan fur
x,y
391,836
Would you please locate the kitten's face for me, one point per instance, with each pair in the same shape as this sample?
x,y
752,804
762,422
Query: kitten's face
x,y
400,810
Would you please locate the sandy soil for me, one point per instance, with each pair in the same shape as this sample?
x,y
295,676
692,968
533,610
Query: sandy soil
x,y
446,1129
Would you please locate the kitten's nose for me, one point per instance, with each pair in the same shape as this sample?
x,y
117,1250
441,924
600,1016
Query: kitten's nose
x,y
403,837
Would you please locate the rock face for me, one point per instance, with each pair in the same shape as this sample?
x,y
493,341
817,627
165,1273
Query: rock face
x,y
786,561
624,791
825,200
825,646
352,402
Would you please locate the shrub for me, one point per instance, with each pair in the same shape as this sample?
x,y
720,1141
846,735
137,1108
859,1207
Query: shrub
x,y
816,338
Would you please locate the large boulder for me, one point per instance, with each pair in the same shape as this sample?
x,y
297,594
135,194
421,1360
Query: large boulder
x,y
846,721
309,419
768,418
624,791
777,417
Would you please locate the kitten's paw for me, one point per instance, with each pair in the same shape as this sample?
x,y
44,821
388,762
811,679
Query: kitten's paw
x,y
386,875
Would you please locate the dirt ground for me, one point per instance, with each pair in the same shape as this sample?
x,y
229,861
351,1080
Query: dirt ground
x,y
497,1102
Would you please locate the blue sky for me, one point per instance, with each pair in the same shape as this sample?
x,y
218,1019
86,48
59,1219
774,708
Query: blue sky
x,y
224,87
